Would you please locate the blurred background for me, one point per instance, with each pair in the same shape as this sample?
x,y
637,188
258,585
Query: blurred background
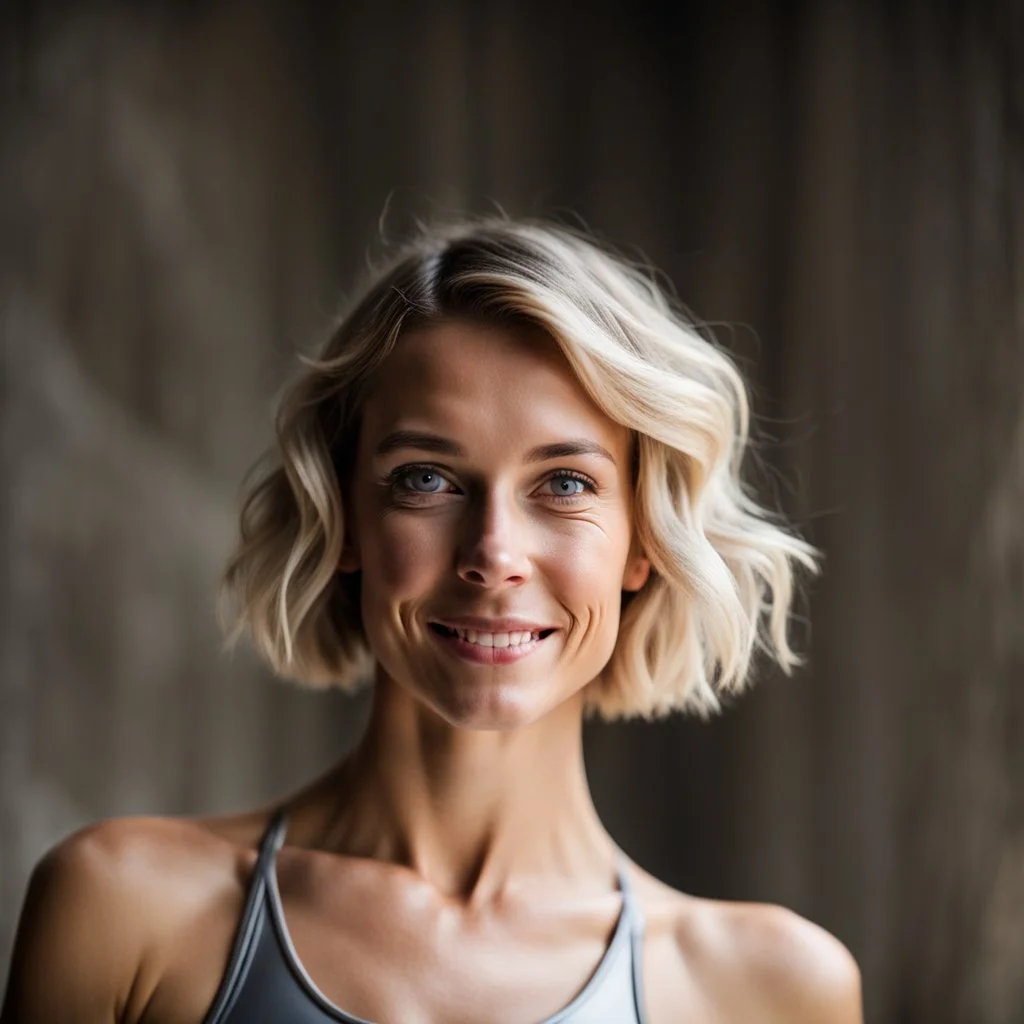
x,y
187,190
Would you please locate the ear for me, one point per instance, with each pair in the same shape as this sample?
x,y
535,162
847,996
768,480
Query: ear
x,y
638,571
349,560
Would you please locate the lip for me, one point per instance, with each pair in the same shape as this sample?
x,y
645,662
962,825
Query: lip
x,y
487,655
508,624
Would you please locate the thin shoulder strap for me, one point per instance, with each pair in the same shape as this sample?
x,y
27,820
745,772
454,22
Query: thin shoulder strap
x,y
631,906
271,842
626,888
251,925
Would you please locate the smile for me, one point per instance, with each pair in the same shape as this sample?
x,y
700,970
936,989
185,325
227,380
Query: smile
x,y
489,648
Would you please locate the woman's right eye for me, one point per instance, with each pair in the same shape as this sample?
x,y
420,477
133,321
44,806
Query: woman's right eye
x,y
419,480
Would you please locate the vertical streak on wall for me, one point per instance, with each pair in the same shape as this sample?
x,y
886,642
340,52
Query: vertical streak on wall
x,y
443,104
834,375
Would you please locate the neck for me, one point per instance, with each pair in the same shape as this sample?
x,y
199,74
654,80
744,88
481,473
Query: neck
x,y
469,811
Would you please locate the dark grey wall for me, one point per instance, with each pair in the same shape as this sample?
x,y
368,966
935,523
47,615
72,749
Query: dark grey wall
x,y
188,189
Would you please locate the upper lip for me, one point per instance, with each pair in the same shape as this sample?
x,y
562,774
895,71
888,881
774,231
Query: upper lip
x,y
507,624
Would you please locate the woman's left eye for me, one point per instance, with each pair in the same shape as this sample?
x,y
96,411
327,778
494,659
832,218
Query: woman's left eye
x,y
568,485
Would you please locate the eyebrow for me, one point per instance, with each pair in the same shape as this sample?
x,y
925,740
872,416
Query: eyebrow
x,y
426,441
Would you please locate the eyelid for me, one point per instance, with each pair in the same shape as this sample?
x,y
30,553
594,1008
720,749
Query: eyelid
x,y
573,474
392,478
396,475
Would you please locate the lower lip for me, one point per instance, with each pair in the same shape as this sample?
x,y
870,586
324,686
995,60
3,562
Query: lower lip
x,y
488,655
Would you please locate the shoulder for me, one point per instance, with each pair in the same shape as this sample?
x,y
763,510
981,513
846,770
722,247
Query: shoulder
x,y
788,967
102,901
122,861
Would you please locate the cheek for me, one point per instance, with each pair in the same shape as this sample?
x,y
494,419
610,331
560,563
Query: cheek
x,y
586,570
403,558
407,553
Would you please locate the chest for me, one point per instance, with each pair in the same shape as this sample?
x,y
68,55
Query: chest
x,y
352,953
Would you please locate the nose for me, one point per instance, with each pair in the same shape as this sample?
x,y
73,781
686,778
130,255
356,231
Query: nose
x,y
494,548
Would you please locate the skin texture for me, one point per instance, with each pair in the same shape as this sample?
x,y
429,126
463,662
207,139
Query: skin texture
x,y
452,868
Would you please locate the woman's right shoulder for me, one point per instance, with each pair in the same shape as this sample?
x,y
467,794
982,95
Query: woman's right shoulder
x,y
146,861
107,904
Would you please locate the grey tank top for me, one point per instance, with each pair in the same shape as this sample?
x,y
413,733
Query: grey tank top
x,y
265,982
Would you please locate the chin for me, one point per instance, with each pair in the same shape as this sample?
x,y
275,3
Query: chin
x,y
488,707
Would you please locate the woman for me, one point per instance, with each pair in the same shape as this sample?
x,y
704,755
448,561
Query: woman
x,y
509,490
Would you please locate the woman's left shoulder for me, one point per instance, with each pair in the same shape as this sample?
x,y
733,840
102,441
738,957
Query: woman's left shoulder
x,y
800,970
760,956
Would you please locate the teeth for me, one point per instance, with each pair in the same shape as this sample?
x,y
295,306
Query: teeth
x,y
496,639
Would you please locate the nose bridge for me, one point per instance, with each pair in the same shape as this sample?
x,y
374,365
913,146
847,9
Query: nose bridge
x,y
495,536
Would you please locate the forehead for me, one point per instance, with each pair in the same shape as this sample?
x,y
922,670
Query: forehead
x,y
481,380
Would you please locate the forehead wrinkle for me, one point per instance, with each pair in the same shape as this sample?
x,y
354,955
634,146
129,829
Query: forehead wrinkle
x,y
456,427
432,390
459,355
425,440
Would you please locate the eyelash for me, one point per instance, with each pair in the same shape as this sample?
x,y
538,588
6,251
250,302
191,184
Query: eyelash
x,y
395,477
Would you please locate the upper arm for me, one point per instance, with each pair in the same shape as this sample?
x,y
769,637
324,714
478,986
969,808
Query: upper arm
x,y
79,936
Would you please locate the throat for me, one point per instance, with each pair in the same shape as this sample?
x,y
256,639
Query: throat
x,y
466,809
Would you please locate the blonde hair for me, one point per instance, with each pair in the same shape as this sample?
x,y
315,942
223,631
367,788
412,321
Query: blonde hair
x,y
723,566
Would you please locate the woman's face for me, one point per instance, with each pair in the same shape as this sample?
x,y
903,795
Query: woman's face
x,y
487,485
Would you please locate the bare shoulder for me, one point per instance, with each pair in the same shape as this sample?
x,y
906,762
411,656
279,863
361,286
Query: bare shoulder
x,y
134,881
799,971
133,863
757,961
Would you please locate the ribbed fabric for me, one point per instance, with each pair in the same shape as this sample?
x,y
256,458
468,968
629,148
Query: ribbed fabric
x,y
265,982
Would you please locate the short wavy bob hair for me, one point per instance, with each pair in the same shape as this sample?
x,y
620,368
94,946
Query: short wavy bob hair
x,y
723,566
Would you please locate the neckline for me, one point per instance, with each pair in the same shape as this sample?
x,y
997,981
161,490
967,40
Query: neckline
x,y
275,839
